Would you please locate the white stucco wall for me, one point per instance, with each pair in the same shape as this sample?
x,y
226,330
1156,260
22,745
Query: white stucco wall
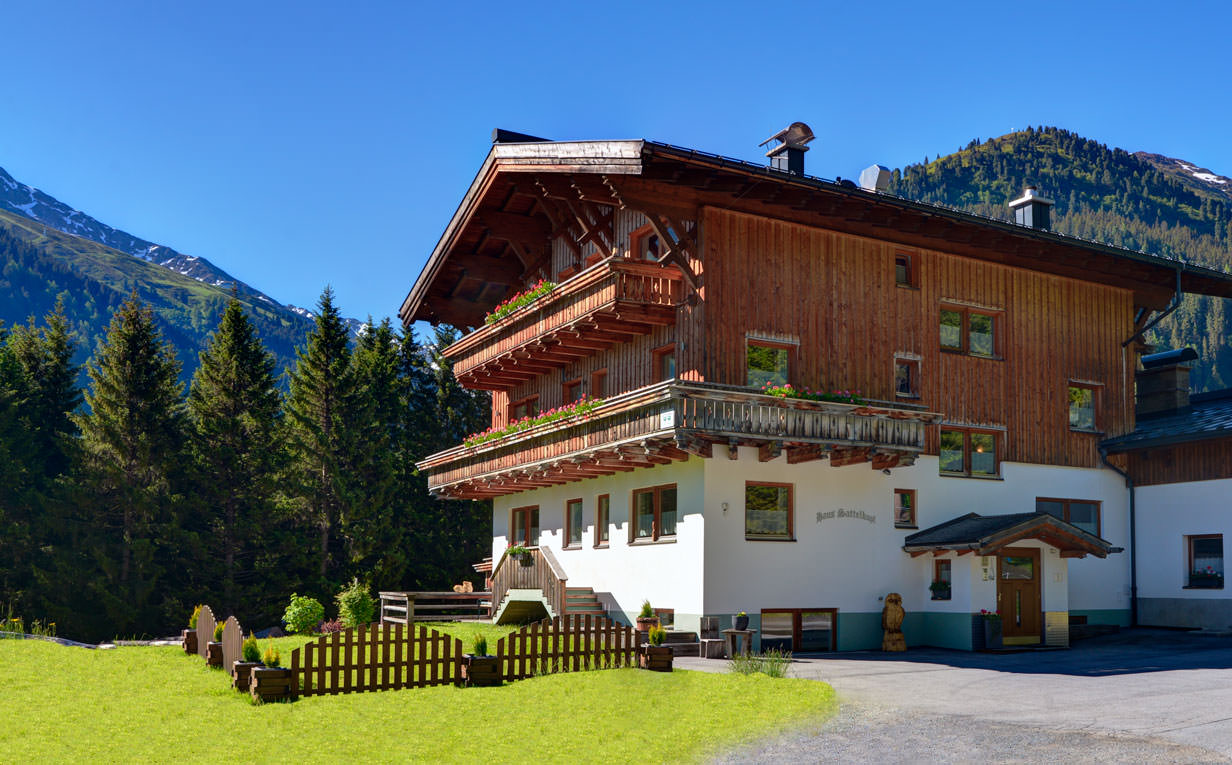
x,y
1166,515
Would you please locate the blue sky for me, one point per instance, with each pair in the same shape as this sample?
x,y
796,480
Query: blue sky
x,y
299,144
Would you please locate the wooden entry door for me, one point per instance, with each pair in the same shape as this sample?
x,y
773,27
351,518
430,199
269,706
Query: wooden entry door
x,y
1018,595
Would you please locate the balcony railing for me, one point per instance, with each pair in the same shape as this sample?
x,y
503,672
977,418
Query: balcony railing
x,y
609,302
672,420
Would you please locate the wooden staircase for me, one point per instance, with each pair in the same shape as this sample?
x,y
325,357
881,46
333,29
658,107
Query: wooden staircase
x,y
582,600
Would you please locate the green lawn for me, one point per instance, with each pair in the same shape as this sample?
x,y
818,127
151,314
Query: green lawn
x,y
147,704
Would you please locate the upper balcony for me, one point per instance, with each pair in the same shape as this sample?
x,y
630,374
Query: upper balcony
x,y
609,302
672,420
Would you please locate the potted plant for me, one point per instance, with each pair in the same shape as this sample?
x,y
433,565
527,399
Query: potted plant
x,y
241,671
270,682
213,649
478,667
940,590
522,553
188,638
992,628
646,618
742,621
656,656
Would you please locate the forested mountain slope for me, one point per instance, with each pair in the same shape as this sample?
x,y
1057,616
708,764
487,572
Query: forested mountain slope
x,y
1148,202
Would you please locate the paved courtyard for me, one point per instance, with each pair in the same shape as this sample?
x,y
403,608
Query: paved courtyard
x,y
1142,695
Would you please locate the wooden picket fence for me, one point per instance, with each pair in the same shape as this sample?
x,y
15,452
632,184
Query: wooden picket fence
x,y
375,657
570,643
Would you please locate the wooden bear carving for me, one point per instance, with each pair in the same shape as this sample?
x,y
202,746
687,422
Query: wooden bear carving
x,y
892,622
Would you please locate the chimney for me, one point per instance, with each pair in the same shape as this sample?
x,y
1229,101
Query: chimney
x,y
1032,209
1163,382
788,155
875,178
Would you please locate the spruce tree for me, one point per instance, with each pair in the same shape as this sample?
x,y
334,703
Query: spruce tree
x,y
321,410
234,407
46,356
14,478
132,438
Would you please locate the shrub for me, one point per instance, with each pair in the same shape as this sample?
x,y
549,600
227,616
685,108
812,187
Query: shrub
x,y
270,658
218,631
331,626
192,620
657,635
251,651
479,646
303,614
647,612
773,663
355,605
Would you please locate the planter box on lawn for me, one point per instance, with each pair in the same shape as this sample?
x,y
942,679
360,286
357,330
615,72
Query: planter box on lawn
x,y
656,658
241,674
270,683
213,654
480,671
188,639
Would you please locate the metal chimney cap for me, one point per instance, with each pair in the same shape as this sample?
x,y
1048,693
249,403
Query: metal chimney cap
x,y
1168,358
795,136
875,178
1030,194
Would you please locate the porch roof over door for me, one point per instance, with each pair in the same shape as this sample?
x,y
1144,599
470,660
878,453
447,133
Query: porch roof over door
x,y
986,534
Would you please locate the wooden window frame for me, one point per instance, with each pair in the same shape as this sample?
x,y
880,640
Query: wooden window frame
x,y
791,513
598,382
998,448
636,237
915,517
568,543
797,622
965,313
524,532
657,355
569,386
1189,560
938,564
513,406
914,377
910,264
1065,516
1096,389
602,519
657,522
791,356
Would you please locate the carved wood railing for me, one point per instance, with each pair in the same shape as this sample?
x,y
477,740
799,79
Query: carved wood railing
x,y
543,573
631,288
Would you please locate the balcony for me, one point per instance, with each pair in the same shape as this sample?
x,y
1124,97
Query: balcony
x,y
672,421
608,303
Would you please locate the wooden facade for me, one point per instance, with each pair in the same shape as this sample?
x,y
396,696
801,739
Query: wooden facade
x,y
1205,460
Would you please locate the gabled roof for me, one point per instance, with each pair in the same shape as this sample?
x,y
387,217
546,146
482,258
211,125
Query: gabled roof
x,y
985,534
1209,415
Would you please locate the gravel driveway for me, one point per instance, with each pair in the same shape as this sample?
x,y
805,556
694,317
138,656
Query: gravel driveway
x,y
1141,696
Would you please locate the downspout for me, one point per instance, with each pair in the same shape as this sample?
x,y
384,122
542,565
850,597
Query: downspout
x,y
1133,538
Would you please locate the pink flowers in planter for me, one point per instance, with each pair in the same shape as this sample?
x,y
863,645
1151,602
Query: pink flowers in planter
x,y
837,396
580,408
520,300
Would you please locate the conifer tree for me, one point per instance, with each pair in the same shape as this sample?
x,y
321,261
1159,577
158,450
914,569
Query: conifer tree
x,y
235,408
46,357
14,476
321,413
132,439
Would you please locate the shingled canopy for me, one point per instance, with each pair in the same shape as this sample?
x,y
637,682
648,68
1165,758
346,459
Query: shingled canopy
x,y
986,534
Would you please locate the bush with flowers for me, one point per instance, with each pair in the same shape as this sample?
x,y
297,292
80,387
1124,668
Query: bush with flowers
x,y
520,300
991,615
580,408
837,396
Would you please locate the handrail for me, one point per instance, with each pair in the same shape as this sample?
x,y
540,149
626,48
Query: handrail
x,y
554,564
544,574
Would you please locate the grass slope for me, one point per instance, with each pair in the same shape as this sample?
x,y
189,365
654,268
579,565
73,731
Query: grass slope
x,y
156,704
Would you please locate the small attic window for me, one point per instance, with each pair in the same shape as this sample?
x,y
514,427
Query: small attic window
x,y
644,244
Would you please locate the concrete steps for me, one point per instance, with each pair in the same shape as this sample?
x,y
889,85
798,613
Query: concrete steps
x,y
582,600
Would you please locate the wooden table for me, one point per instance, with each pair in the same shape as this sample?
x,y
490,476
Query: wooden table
x,y
733,638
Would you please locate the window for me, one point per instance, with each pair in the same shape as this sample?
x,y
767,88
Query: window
x,y
664,362
767,364
1205,561
904,508
798,629
603,507
524,526
904,274
644,244
965,330
1081,406
654,512
573,523
666,616
943,576
906,378
768,511
522,408
598,383
571,391
968,452
1080,512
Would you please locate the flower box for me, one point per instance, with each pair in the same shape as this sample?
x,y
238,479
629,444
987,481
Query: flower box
x,y
480,671
188,639
270,683
241,674
656,658
213,654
